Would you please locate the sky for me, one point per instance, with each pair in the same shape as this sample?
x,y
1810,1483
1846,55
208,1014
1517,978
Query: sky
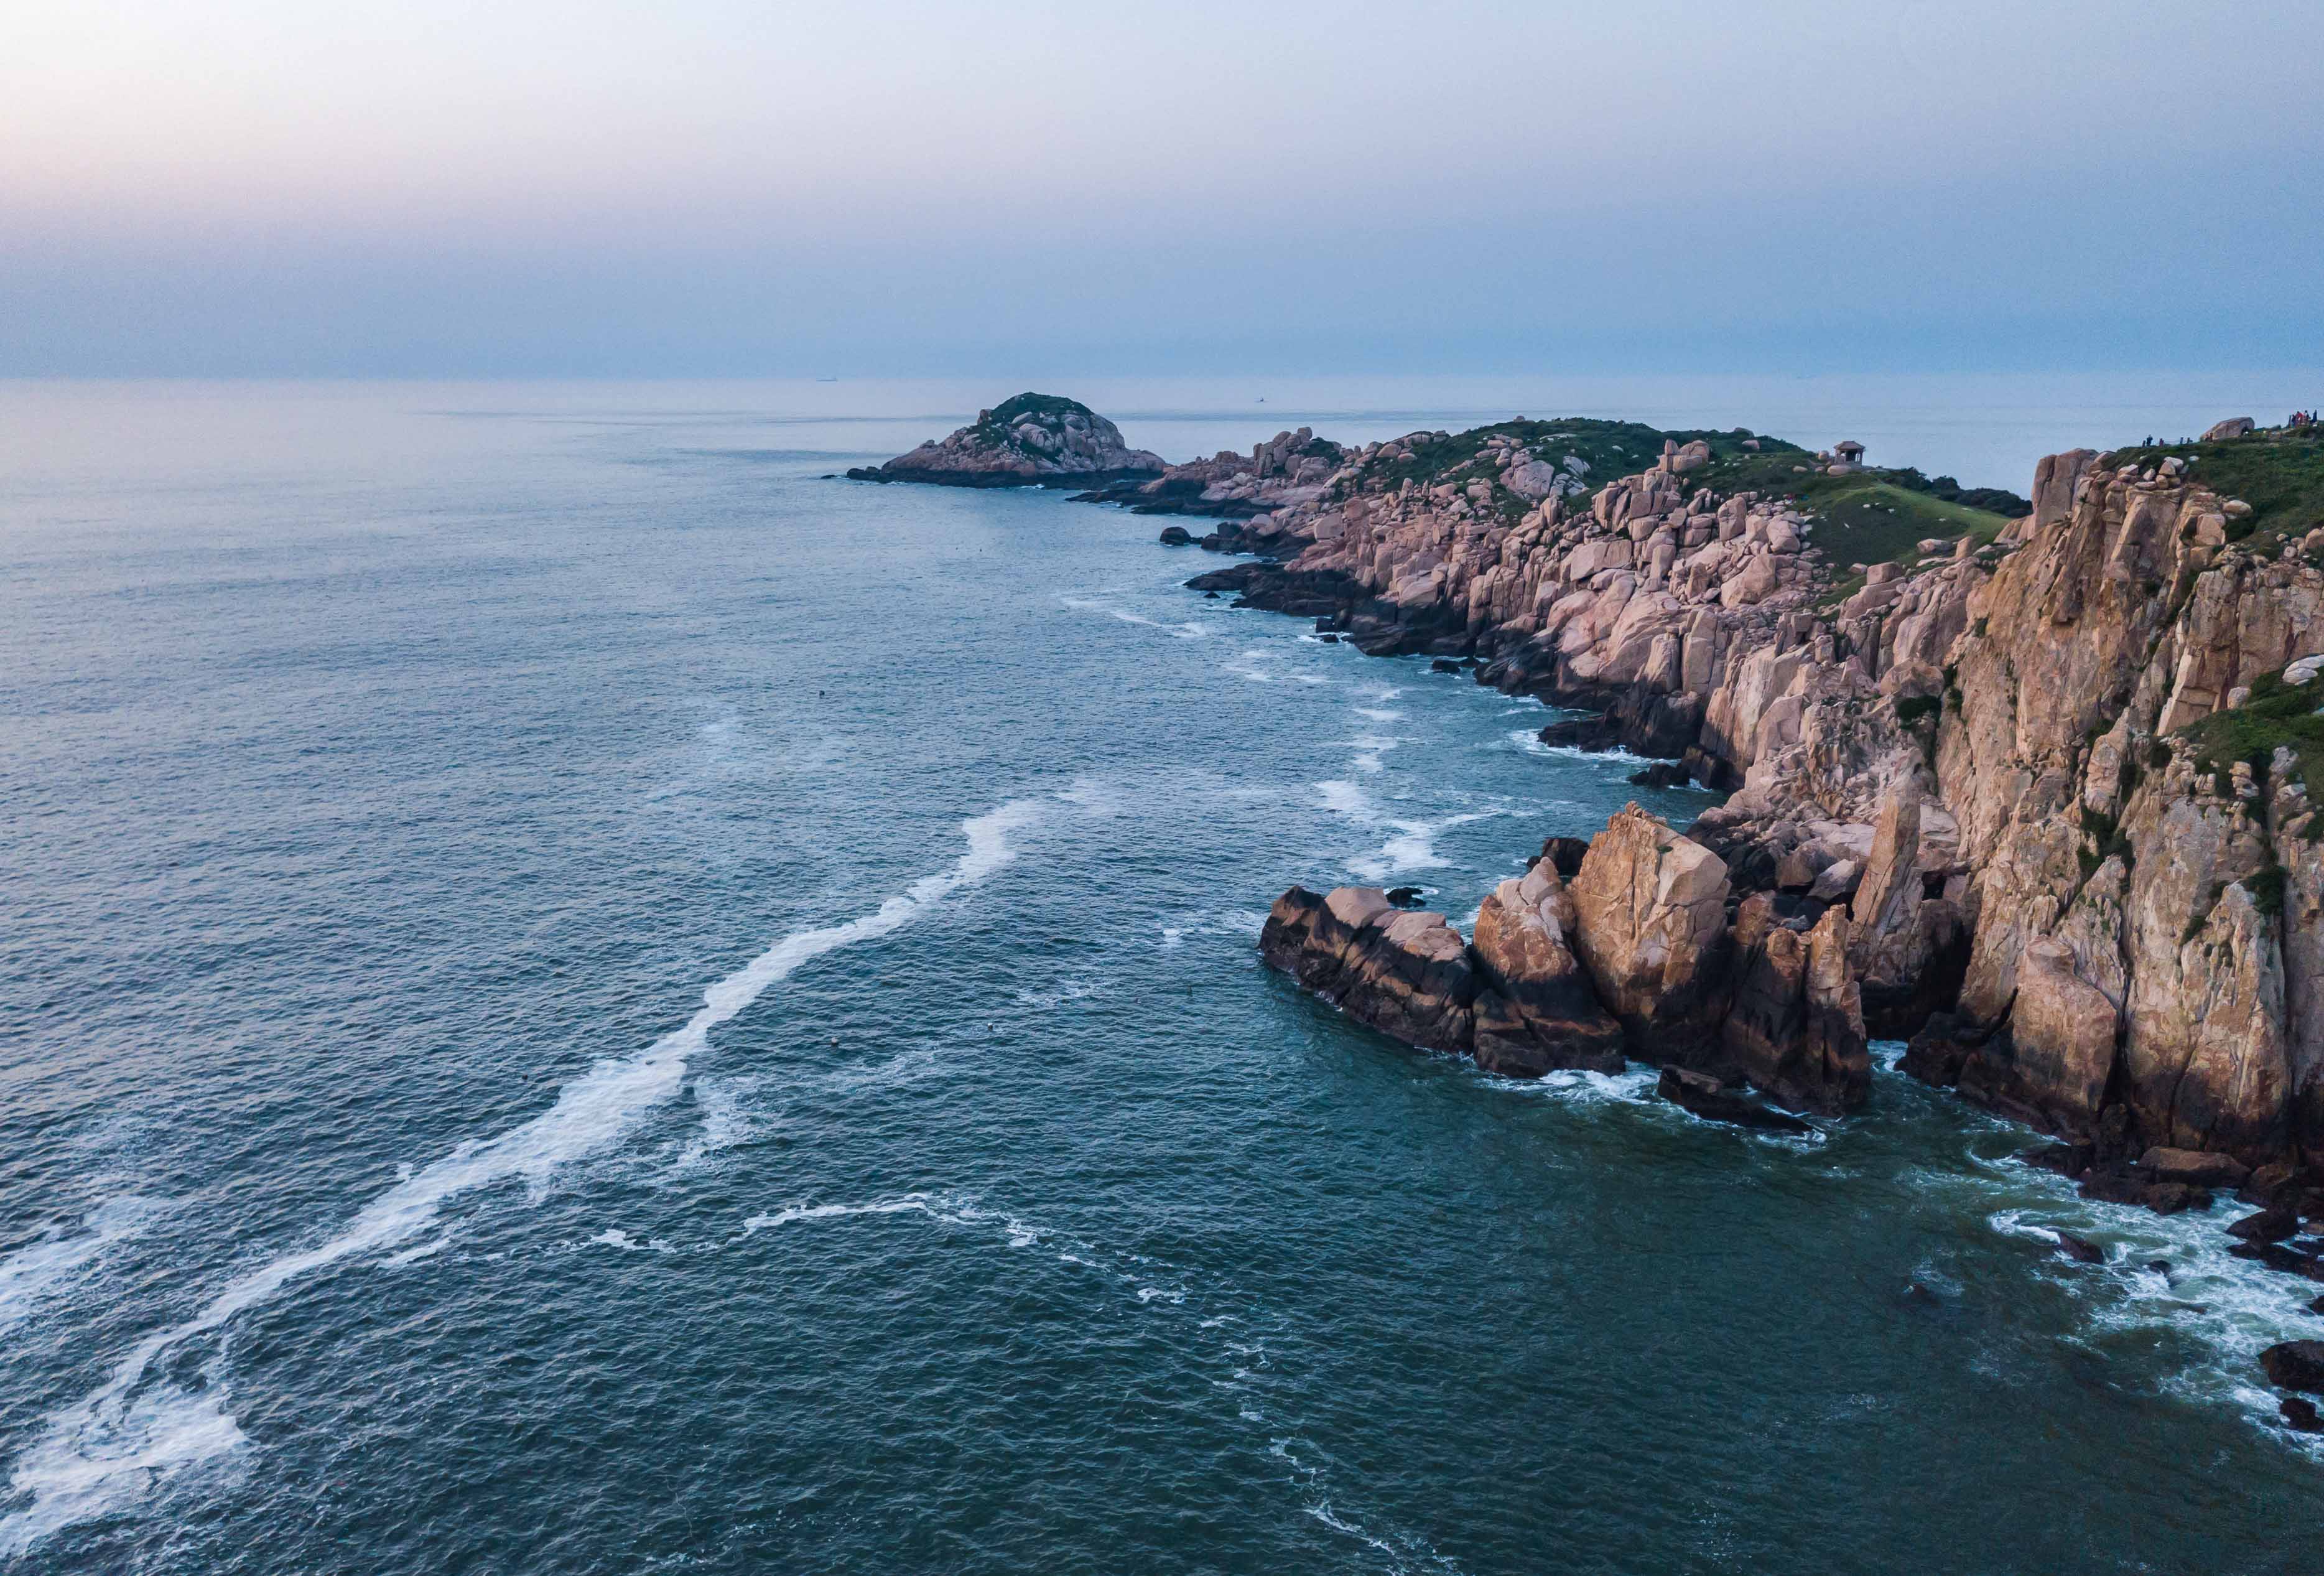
x,y
863,187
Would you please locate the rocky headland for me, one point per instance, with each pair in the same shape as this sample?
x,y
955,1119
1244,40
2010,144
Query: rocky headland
x,y
2022,780
1032,440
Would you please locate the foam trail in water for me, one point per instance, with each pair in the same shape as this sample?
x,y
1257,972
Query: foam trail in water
x,y
109,1450
38,1270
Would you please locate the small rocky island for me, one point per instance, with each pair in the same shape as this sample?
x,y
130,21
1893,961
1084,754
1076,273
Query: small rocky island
x,y
2024,780
1033,440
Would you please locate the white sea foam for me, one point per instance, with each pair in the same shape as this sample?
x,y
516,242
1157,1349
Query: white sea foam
x,y
1529,740
1058,995
113,1448
40,1270
615,1237
1380,714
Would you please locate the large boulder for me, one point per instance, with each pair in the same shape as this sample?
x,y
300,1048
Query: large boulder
x,y
1650,927
1795,1025
1541,1014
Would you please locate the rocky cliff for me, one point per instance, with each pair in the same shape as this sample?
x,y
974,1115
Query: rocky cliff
x,y
2033,790
1031,440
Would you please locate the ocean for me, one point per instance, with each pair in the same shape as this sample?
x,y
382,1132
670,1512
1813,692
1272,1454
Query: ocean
x,y
578,996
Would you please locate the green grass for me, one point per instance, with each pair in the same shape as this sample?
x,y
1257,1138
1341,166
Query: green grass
x,y
1611,450
2281,474
1870,517
2277,714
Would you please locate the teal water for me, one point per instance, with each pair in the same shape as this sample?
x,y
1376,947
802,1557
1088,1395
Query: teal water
x,y
576,997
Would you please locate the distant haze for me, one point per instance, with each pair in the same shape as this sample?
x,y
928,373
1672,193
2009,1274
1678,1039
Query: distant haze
x,y
710,187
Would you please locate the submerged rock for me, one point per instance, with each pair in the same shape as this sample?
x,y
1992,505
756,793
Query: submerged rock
x,y
2295,1365
1713,1101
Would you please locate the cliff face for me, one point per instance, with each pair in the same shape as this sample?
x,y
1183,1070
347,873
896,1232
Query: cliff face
x,y
1027,441
2024,766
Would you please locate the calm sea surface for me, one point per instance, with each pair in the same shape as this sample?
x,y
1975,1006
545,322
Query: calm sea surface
x,y
576,998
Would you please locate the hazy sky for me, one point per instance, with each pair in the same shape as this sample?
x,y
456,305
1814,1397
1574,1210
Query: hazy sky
x,y
859,187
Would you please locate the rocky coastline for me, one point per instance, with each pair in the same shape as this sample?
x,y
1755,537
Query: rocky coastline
x,y
2022,780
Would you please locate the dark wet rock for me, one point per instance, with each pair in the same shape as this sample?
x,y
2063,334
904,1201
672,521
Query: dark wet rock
x,y
1404,897
2082,1251
2295,1365
1660,774
1565,854
2316,1306
2128,1184
2272,1186
2070,1161
1210,596
1941,1051
1594,734
1920,1296
2161,1267
1444,664
1176,535
2195,1167
2267,1226
1713,1101
1327,637
2276,1257
2300,1414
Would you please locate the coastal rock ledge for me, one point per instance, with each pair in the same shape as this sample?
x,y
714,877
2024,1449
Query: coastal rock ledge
x,y
1032,440
1637,959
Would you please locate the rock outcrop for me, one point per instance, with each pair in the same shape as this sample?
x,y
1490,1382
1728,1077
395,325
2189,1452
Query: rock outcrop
x,y
2051,784
1242,491
1636,957
1031,440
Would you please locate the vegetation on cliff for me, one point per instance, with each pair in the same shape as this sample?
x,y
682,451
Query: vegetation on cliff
x,y
2278,715
2278,472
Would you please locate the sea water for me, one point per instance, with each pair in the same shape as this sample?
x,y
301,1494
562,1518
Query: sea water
x,y
578,996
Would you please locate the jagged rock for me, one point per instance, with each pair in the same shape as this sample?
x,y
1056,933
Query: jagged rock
x,y
1553,1019
1176,535
2135,941
2300,1415
1795,1025
1024,441
1404,974
1650,928
1713,1101
1518,1000
2233,427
